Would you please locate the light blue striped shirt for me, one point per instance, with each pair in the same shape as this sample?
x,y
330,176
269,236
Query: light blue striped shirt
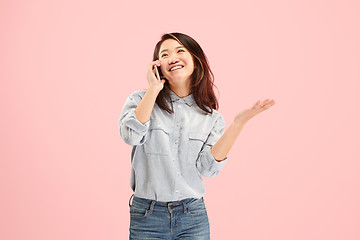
x,y
171,152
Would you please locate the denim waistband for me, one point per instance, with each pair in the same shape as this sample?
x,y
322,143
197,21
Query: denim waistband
x,y
183,204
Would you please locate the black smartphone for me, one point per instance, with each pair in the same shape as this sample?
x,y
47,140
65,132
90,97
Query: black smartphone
x,y
158,73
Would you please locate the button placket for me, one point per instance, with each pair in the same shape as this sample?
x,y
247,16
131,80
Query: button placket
x,y
176,141
177,130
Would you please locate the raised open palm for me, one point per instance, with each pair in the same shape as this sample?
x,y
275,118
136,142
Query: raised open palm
x,y
257,108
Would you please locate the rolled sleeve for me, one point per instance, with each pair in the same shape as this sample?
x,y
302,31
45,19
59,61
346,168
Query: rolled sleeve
x,y
132,131
206,163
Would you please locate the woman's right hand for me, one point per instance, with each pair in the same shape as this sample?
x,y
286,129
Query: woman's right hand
x,y
151,76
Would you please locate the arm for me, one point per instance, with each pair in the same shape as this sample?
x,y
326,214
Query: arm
x,y
206,163
146,105
144,109
135,115
224,144
132,131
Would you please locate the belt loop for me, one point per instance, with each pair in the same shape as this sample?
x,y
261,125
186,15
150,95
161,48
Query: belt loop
x,y
152,206
130,200
185,206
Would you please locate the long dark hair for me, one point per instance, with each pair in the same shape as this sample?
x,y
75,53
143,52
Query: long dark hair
x,y
202,79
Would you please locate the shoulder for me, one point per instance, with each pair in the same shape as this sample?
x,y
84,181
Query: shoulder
x,y
212,118
137,95
216,115
218,118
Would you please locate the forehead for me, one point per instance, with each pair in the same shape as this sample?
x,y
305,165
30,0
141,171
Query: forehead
x,y
169,44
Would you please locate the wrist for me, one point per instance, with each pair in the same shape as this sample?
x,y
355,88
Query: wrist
x,y
153,89
238,125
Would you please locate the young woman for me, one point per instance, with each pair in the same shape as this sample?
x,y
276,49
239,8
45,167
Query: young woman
x,y
177,136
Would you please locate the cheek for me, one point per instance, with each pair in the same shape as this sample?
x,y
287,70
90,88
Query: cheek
x,y
191,63
163,69
192,66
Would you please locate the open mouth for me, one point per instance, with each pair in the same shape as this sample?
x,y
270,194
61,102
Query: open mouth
x,y
175,68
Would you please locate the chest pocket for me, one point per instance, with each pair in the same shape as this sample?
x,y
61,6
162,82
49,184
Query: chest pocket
x,y
196,142
158,139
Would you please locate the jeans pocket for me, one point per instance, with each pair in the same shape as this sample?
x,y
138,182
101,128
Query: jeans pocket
x,y
197,208
138,212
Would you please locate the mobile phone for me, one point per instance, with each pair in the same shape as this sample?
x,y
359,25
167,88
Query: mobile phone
x,y
158,73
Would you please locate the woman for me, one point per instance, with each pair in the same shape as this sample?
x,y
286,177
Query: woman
x,y
177,136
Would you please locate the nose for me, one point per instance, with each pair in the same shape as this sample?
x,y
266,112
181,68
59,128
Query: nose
x,y
173,60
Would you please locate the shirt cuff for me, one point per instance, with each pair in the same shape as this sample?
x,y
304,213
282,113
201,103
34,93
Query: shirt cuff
x,y
132,122
214,165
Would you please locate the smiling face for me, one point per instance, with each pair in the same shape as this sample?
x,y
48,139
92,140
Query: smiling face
x,y
177,63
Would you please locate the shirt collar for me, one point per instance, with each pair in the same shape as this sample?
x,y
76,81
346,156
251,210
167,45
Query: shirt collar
x,y
189,99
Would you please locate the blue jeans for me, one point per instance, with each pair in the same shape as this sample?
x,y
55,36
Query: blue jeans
x,y
185,219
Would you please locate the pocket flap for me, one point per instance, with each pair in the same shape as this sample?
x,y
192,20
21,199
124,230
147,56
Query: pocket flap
x,y
154,124
198,136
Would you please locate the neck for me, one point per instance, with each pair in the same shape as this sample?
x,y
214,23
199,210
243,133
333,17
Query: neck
x,y
180,91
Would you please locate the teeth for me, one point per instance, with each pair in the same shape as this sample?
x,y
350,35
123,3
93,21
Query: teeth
x,y
175,68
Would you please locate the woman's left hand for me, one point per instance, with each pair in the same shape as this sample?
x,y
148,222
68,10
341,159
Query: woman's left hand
x,y
258,107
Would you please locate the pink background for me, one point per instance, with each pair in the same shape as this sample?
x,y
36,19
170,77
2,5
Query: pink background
x,y
66,68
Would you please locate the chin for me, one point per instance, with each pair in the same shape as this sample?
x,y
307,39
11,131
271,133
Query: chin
x,y
177,78
176,81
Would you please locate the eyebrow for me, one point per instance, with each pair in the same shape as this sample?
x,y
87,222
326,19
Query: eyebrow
x,y
168,49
